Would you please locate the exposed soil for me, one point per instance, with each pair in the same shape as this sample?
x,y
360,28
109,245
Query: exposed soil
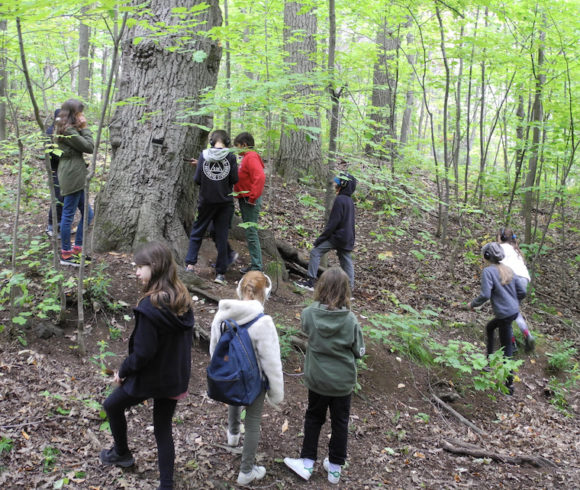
x,y
49,397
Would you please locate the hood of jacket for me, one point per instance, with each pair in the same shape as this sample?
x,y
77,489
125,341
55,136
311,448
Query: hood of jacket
x,y
215,154
350,186
164,317
239,310
328,322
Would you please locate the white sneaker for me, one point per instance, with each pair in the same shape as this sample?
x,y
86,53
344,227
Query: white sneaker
x,y
233,439
257,473
297,466
333,476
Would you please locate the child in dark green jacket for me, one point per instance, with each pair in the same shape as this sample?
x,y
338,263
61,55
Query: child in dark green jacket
x,y
335,341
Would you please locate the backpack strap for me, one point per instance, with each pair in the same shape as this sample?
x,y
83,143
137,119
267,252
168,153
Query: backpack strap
x,y
232,324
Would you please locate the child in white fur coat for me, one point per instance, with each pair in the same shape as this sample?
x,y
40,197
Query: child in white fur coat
x,y
253,290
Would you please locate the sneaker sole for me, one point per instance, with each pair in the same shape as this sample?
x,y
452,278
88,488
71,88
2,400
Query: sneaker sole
x,y
308,288
71,264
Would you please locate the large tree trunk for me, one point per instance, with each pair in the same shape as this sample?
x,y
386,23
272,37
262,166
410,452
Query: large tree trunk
x,y
300,150
150,194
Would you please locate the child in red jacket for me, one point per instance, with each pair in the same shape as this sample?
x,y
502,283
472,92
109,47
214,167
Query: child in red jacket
x,y
249,194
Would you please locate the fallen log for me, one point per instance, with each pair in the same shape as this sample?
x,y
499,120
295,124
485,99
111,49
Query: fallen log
x,y
457,415
476,452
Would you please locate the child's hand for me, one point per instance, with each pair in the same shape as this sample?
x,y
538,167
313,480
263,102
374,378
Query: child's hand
x,y
81,121
116,378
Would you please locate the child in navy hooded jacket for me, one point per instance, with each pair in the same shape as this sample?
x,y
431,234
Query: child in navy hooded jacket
x,y
338,234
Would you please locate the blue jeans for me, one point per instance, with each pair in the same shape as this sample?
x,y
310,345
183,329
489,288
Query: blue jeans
x,y
72,202
344,257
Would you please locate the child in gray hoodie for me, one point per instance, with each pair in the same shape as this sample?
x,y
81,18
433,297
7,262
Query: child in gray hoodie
x,y
504,291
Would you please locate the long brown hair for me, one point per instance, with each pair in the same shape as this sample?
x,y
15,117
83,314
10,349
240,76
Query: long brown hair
x,y
505,274
164,287
68,116
333,289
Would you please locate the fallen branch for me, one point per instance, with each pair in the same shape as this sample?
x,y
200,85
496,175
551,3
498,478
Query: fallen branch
x,y
457,415
476,452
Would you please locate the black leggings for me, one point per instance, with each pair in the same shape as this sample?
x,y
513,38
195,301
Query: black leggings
x,y
163,410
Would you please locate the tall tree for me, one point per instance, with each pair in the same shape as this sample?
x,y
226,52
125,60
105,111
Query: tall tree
x,y
300,151
83,78
3,74
537,119
384,95
150,193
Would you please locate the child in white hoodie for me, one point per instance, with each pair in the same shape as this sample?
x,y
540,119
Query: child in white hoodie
x,y
253,290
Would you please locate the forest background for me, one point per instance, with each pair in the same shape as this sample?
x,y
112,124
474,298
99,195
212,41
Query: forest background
x,y
465,112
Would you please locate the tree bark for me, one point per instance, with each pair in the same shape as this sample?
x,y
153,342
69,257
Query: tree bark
x,y
300,150
150,194
83,78
537,118
383,99
3,85
410,97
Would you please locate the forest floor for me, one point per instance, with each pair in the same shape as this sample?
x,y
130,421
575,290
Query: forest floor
x,y
51,429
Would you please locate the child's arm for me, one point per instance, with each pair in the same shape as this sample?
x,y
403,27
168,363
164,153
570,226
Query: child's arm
x,y
486,285
257,179
520,289
198,169
144,348
79,140
358,348
334,219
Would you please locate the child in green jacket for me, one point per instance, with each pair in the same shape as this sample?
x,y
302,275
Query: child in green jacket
x,y
335,341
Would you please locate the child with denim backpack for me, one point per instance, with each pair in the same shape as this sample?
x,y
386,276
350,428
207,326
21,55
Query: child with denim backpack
x,y
335,341
253,291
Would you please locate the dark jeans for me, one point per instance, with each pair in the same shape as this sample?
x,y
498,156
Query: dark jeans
x,y
344,258
221,215
163,409
314,420
59,202
505,334
72,202
504,325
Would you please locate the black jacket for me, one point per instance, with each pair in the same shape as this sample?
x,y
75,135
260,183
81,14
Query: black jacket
x,y
340,227
159,360
216,174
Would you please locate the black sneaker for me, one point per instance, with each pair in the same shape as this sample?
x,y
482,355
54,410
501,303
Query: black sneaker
x,y
245,270
110,457
220,279
306,284
510,388
530,343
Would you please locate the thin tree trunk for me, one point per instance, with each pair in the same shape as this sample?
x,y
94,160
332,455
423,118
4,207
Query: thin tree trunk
x,y
537,118
228,123
55,249
83,77
457,135
445,204
410,97
3,79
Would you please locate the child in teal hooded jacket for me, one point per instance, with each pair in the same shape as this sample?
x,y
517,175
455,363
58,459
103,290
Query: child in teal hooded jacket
x,y
335,341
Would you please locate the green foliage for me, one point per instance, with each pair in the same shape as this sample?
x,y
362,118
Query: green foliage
x,y
406,333
6,445
50,454
285,334
96,289
100,358
562,358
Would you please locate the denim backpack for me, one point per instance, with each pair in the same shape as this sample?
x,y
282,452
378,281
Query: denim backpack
x,y
233,375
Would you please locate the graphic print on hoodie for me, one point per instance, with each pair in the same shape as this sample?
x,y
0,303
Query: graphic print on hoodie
x,y
216,173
